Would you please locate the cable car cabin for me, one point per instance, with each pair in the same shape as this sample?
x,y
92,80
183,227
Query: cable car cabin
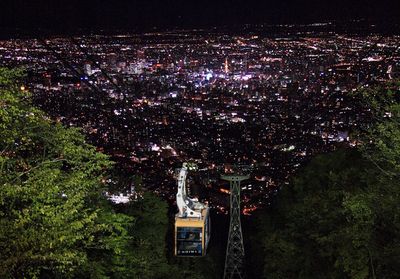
x,y
192,235
192,222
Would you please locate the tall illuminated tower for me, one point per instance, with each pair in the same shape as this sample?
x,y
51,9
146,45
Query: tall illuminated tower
x,y
226,66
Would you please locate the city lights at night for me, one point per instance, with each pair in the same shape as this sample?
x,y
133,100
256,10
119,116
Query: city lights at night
x,y
225,140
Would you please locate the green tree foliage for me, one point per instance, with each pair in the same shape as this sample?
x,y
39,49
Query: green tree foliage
x,y
339,217
53,218
149,232
382,140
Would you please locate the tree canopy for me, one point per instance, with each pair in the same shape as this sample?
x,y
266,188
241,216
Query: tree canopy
x,y
339,217
52,213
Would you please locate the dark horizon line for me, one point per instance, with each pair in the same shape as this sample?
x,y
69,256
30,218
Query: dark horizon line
x,y
390,26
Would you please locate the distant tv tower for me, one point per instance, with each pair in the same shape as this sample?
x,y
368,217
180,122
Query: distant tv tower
x,y
226,66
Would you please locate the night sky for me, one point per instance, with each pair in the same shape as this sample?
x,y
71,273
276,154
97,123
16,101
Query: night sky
x,y
63,15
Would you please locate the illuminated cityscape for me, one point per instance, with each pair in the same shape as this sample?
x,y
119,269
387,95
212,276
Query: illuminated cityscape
x,y
153,100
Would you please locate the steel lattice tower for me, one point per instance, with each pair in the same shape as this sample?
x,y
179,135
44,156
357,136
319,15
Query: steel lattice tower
x,y
235,249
